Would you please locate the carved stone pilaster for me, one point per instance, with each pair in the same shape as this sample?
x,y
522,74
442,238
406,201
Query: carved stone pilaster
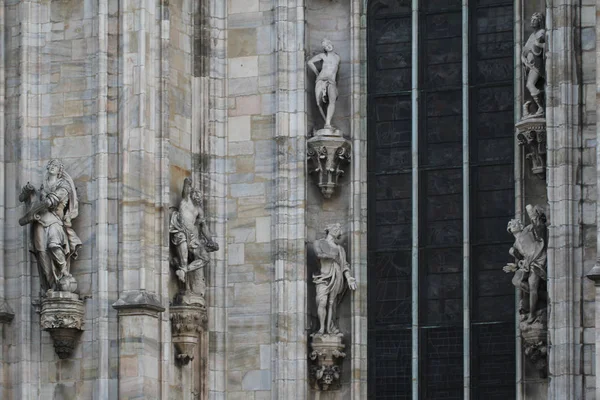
x,y
328,154
62,317
187,322
327,353
531,136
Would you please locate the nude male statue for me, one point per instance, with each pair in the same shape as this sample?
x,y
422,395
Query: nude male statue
x,y
529,251
190,236
532,57
326,92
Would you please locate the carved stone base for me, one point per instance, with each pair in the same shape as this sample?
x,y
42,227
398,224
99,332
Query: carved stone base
x,y
187,321
328,154
532,136
327,351
62,317
535,341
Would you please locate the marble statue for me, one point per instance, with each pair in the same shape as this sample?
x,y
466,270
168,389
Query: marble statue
x,y
51,210
532,57
190,240
326,92
332,280
529,251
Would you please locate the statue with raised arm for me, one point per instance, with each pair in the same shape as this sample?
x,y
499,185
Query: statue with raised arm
x,y
51,210
326,92
332,280
532,57
190,241
529,251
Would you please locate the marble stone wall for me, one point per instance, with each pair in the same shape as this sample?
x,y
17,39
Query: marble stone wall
x,y
134,96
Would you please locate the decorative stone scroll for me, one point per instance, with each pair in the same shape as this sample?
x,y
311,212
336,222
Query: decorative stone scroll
x,y
331,282
530,269
531,135
190,244
50,212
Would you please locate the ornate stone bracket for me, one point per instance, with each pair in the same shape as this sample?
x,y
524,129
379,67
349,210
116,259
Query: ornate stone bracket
x,y
187,322
62,317
532,137
327,352
6,313
328,153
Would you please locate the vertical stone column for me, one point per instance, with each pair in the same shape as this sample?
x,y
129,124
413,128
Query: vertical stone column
x,y
290,355
565,250
358,200
214,146
140,214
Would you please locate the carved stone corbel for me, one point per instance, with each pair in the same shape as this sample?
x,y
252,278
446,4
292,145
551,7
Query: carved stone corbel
x,y
327,352
62,317
328,154
531,136
187,322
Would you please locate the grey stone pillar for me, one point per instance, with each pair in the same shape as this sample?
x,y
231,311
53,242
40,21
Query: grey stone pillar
x,y
139,345
290,352
565,249
142,253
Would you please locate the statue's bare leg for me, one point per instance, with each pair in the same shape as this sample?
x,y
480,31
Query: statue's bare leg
x,y
532,79
534,281
319,102
332,95
322,314
331,316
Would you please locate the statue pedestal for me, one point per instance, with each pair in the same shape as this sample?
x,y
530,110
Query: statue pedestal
x,y
327,351
532,136
535,341
329,151
187,321
62,317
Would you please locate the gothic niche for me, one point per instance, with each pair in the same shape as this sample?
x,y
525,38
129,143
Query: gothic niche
x,y
529,268
331,282
327,150
50,212
531,130
190,243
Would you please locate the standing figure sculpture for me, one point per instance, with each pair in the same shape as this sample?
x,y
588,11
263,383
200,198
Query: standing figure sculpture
x,y
326,92
332,280
53,240
529,251
532,57
191,240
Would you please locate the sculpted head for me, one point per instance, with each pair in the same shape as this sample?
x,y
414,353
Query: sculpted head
x,y
327,45
514,226
334,230
537,20
55,167
196,197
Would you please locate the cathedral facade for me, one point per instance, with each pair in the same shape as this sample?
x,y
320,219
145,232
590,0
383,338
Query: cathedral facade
x,y
299,199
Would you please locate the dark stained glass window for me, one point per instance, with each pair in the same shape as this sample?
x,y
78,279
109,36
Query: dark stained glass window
x,y
390,205
441,270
